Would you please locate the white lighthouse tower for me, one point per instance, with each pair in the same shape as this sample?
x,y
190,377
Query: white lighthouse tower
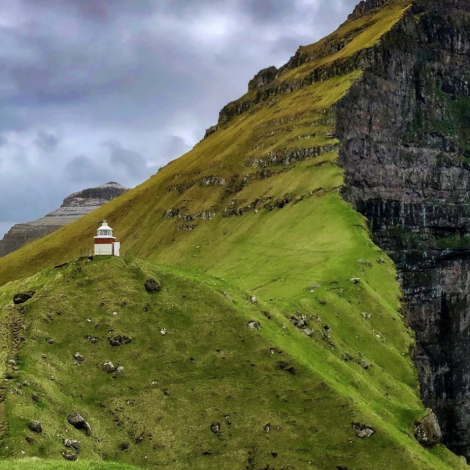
x,y
105,242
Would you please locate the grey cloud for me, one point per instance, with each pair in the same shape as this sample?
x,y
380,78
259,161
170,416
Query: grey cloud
x,y
46,142
149,76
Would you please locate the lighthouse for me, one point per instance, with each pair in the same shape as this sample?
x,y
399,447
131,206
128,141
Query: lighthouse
x,y
105,242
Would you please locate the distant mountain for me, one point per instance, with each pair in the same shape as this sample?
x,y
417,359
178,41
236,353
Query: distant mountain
x,y
74,206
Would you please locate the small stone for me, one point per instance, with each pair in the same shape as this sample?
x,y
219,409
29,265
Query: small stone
x,y
253,300
52,378
267,315
49,340
152,286
25,383
267,428
12,362
35,426
308,332
78,357
355,280
253,325
366,316
154,382
364,364
29,440
215,428
72,443
362,430
120,369
163,331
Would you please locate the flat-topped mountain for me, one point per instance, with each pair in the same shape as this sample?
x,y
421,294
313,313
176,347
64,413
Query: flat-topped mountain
x,y
74,206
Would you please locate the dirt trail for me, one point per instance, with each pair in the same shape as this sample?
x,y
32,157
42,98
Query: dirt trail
x,y
11,336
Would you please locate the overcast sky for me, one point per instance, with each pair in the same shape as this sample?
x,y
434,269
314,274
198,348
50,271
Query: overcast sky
x,y
109,90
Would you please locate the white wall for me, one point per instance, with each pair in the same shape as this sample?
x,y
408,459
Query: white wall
x,y
104,250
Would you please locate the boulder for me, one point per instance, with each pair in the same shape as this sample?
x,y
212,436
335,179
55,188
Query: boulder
x,y
73,444
362,430
108,367
427,431
35,426
78,357
119,340
253,325
152,286
23,297
71,456
78,422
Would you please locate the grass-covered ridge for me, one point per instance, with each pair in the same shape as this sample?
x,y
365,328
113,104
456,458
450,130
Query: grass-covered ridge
x,y
253,210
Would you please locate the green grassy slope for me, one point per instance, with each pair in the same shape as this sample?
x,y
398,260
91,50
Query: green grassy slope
x,y
254,209
210,368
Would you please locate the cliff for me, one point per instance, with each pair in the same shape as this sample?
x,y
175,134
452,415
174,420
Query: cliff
x,y
405,151
74,206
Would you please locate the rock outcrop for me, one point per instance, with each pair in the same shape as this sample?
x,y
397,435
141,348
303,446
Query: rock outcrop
x,y
405,149
74,206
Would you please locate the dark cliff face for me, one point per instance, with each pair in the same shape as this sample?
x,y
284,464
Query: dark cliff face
x,y
405,132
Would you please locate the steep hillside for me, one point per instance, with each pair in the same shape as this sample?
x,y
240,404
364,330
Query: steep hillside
x,y
248,226
74,206
201,385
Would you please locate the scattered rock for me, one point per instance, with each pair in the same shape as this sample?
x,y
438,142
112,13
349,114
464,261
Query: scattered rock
x,y
366,316
253,300
29,440
71,456
152,286
119,340
427,431
364,364
25,383
299,322
73,443
254,325
285,366
215,428
355,280
35,426
78,422
49,340
123,446
78,357
362,430
23,297
108,367
308,332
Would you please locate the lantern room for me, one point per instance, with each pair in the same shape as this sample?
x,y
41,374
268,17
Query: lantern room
x,y
105,242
